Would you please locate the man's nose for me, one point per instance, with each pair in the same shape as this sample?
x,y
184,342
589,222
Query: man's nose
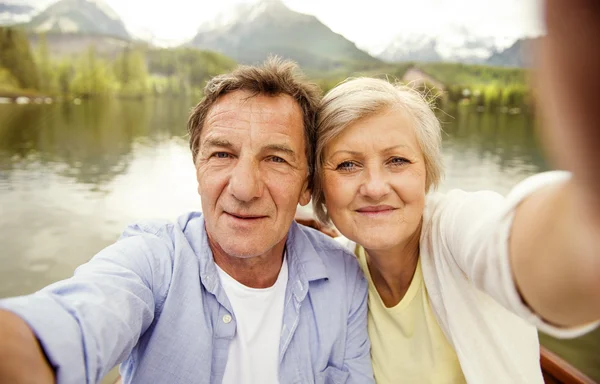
x,y
245,183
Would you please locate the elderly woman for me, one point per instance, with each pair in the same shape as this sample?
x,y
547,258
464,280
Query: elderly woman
x,y
458,281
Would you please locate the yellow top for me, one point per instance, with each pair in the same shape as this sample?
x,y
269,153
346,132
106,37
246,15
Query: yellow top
x,y
407,344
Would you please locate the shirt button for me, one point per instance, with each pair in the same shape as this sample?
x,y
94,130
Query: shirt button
x,y
227,319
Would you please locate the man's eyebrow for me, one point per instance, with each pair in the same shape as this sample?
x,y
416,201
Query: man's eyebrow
x,y
280,148
217,142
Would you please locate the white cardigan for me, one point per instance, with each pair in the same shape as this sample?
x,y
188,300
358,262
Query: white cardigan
x,y
466,269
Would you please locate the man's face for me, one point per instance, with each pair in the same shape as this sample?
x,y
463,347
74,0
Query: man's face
x,y
252,171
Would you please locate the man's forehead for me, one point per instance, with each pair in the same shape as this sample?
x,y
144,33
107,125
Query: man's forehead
x,y
237,112
242,114
243,105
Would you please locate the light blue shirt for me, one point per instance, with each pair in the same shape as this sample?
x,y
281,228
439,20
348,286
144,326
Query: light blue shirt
x,y
154,301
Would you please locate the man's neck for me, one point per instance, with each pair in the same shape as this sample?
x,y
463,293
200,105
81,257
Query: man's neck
x,y
254,272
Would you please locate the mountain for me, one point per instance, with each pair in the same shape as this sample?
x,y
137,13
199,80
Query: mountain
x,y
62,45
520,54
250,32
93,17
411,48
456,44
470,49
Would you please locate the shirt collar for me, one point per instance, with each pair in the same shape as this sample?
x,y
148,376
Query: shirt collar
x,y
304,263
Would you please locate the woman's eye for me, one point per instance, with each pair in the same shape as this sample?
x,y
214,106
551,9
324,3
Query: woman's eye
x,y
346,166
221,155
399,161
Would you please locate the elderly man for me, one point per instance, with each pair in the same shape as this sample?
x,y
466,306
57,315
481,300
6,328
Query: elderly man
x,y
236,294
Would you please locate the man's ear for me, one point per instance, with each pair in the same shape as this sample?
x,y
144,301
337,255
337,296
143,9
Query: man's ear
x,y
198,175
305,194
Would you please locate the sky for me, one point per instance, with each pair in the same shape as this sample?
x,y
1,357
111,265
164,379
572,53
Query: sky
x,y
371,24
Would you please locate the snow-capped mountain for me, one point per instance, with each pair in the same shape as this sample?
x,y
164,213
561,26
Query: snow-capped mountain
x,y
453,44
79,16
411,48
249,32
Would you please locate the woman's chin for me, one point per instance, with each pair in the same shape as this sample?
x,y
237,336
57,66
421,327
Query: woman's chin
x,y
376,241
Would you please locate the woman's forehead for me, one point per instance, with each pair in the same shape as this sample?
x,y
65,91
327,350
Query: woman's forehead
x,y
388,129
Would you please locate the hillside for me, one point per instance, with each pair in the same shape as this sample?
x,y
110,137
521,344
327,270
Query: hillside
x,y
520,54
251,32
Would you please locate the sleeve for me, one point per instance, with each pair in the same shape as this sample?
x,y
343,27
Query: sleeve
x,y
90,322
477,227
357,357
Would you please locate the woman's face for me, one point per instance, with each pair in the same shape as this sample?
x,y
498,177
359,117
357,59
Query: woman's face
x,y
374,181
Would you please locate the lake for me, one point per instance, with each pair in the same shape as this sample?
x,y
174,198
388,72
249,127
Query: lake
x,y
72,176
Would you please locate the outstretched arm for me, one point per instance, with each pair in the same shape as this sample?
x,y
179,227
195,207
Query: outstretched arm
x,y
87,324
555,238
22,360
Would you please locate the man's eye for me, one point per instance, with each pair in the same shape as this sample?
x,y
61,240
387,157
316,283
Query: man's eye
x,y
277,159
221,155
346,166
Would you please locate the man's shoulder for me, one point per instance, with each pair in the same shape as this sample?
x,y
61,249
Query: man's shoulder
x,y
322,256
164,229
149,227
156,226
327,248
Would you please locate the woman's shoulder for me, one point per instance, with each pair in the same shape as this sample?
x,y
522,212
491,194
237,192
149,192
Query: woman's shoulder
x,y
455,196
485,203
458,201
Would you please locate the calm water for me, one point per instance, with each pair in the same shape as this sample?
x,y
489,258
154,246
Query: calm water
x,y
72,176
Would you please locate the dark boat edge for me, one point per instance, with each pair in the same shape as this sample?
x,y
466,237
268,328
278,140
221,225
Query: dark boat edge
x,y
557,371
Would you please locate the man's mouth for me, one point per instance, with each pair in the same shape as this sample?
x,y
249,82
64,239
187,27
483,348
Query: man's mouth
x,y
244,216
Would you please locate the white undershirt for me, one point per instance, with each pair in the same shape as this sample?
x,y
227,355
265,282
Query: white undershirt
x,y
254,351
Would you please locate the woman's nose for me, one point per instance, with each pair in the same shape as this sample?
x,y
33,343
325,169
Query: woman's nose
x,y
375,185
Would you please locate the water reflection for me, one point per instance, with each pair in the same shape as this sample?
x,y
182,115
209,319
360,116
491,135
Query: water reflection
x,y
91,143
72,176
489,151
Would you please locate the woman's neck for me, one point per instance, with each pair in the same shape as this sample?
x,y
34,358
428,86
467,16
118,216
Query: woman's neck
x,y
392,270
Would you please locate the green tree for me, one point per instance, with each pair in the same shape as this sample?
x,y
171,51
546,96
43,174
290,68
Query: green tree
x,y
7,81
186,69
46,71
17,58
93,76
131,72
64,74
492,96
515,95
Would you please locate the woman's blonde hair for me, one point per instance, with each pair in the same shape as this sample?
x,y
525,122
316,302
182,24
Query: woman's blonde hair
x,y
359,98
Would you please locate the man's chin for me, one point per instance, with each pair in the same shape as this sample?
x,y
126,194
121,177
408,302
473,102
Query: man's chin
x,y
244,252
244,244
